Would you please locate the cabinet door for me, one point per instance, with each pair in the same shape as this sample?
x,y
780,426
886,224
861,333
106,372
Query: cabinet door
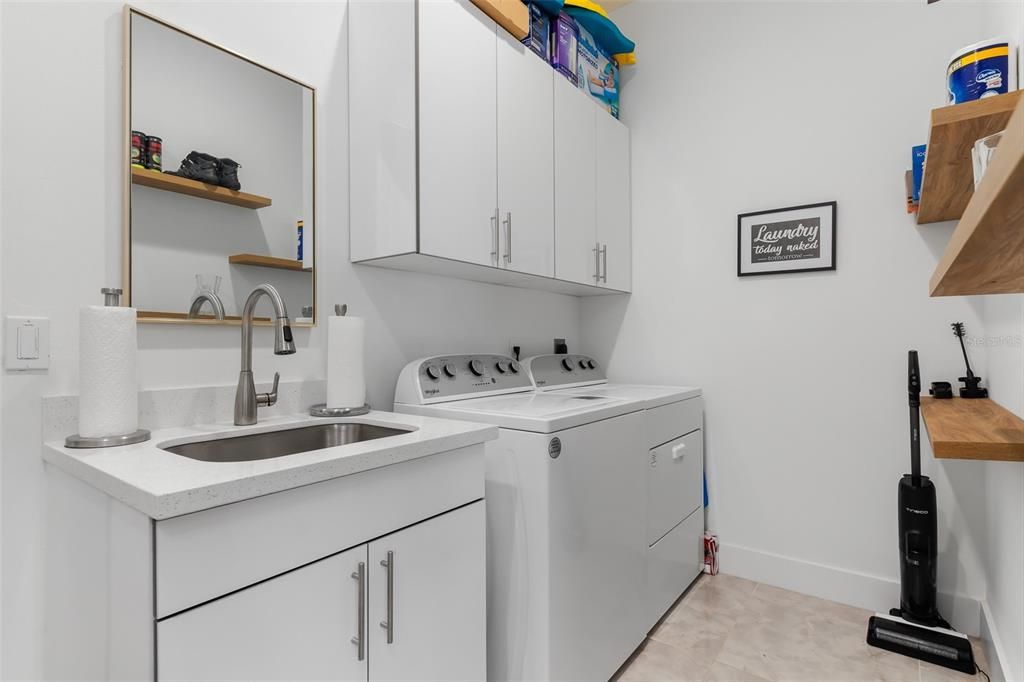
x,y
457,132
436,609
298,626
526,194
575,190
613,202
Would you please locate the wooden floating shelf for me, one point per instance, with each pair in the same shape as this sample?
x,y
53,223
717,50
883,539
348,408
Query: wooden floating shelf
x,y
194,188
948,181
985,255
973,429
157,317
267,262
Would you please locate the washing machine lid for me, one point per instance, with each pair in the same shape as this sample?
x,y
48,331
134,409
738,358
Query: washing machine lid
x,y
538,412
651,396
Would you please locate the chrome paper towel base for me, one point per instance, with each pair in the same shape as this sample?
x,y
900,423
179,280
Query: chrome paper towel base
x,y
321,410
77,441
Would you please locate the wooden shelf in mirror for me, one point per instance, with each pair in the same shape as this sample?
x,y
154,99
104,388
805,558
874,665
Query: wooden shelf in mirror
x,y
267,262
159,317
973,429
985,255
193,188
948,182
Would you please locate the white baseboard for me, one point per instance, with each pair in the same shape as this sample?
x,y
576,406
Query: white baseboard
x,y
994,651
862,590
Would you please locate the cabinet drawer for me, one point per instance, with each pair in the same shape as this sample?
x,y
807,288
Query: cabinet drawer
x,y
673,563
674,483
207,554
670,421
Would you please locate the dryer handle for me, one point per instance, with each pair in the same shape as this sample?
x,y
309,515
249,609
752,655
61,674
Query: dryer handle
x,y
678,451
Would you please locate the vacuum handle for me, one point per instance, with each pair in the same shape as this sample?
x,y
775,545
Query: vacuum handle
x,y
913,378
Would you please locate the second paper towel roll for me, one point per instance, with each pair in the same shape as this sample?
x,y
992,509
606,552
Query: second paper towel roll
x,y
108,403
346,378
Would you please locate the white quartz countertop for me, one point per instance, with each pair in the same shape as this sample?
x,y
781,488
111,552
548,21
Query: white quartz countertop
x,y
162,484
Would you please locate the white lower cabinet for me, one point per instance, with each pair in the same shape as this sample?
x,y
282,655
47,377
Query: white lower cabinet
x,y
435,609
407,606
297,626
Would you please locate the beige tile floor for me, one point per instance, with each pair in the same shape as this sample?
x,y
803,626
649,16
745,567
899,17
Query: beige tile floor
x,y
727,628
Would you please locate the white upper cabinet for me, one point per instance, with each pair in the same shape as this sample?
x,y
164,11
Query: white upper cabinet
x,y
471,157
526,174
457,136
614,219
576,257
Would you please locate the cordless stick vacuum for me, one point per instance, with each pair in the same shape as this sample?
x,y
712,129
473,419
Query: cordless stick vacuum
x,y
916,629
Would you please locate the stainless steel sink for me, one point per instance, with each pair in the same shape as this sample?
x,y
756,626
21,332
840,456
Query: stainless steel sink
x,y
280,443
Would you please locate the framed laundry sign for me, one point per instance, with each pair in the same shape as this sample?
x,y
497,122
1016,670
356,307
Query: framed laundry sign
x,y
782,240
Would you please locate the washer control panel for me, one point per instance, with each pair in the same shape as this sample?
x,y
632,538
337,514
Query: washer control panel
x,y
561,370
450,376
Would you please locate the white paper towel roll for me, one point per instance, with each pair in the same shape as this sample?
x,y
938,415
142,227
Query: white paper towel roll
x,y
346,380
108,403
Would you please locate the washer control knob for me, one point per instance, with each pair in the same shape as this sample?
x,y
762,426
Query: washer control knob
x,y
591,364
515,367
433,372
476,367
502,366
567,364
450,370
583,364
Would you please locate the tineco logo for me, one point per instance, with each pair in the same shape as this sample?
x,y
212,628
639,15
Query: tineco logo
x,y
923,512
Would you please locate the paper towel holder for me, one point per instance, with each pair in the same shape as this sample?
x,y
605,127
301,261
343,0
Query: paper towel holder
x,y
321,410
76,441
111,299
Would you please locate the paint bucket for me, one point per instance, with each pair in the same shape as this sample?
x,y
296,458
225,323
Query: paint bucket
x,y
984,69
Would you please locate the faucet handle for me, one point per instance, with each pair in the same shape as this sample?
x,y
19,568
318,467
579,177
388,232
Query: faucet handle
x,y
268,399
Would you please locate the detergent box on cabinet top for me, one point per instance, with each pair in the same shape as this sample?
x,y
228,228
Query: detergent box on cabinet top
x,y
597,73
564,51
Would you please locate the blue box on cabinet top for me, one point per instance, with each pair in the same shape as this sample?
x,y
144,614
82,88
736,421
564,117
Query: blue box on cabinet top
x,y
564,41
539,37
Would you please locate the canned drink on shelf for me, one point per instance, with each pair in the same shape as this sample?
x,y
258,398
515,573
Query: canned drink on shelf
x,y
154,152
138,153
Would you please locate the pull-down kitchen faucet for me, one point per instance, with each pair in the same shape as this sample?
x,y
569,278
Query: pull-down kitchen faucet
x,y
246,398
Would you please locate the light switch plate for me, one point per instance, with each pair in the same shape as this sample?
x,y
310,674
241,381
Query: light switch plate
x,y
27,343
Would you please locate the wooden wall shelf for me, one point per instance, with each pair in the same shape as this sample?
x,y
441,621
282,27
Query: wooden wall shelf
x,y
193,188
985,255
948,176
156,317
973,429
267,262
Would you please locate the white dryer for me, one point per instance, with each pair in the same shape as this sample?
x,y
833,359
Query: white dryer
x,y
565,495
674,444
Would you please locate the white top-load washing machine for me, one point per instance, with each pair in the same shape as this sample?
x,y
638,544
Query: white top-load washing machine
x,y
565,494
674,443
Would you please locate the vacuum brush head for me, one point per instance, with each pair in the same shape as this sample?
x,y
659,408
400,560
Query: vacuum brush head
x,y
939,646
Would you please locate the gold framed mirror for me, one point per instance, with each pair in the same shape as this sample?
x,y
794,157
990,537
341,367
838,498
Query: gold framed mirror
x,y
219,179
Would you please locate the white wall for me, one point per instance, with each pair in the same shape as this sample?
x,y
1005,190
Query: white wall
x,y
1003,529
737,107
62,91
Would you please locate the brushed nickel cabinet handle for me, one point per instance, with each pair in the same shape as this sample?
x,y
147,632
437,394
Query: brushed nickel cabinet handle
x,y
494,238
360,639
389,623
508,237
604,258
597,261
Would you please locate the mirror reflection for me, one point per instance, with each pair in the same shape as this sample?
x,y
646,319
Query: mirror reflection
x,y
221,180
